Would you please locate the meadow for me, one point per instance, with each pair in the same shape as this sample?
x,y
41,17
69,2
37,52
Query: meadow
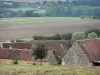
x,y
35,19
11,69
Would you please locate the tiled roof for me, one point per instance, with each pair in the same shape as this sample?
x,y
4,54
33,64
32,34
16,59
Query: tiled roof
x,y
60,47
91,48
12,54
22,45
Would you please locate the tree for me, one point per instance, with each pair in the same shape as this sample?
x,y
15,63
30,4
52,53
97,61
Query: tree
x,y
40,51
78,36
97,31
59,2
56,11
30,13
57,37
67,36
44,2
92,35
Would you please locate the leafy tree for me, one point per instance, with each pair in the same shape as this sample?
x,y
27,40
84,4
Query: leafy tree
x,y
52,3
97,31
57,37
56,11
78,36
30,13
44,2
92,35
67,36
60,2
20,13
40,51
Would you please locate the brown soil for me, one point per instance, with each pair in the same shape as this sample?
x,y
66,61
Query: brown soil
x,y
27,30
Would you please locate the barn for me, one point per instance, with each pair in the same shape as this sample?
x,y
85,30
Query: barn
x,y
83,53
23,50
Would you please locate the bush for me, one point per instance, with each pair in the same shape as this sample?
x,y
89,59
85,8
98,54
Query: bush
x,y
92,35
67,36
82,17
78,36
97,31
15,61
34,63
30,13
54,37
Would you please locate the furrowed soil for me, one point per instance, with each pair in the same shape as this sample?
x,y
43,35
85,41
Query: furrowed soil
x,y
27,30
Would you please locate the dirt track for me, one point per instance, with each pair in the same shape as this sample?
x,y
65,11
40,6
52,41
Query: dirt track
x,y
27,30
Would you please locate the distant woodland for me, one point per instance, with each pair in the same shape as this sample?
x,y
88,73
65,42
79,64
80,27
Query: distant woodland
x,y
68,8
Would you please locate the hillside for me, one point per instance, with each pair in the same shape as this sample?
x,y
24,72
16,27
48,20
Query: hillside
x,y
33,1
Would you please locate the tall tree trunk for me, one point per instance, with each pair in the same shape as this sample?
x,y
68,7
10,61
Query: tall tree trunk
x,y
41,62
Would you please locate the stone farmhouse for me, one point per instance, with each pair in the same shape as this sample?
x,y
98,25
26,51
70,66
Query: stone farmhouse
x,y
83,53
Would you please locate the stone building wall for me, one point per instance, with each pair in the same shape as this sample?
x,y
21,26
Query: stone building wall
x,y
76,57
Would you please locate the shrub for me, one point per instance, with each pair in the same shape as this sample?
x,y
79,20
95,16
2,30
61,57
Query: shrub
x,y
15,61
67,36
34,63
97,31
92,35
78,36
57,37
82,17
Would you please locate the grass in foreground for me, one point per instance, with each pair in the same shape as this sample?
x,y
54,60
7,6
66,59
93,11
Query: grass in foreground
x,y
35,19
47,70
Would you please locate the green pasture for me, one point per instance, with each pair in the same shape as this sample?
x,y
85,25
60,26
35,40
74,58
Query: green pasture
x,y
35,19
23,9
10,69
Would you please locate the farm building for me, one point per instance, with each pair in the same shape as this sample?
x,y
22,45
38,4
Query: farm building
x,y
83,53
60,47
23,50
50,59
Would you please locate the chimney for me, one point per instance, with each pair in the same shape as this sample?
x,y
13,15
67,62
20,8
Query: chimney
x,y
15,40
1,45
10,47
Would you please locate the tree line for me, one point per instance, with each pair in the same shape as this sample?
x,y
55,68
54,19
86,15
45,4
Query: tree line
x,y
74,11
89,34
9,13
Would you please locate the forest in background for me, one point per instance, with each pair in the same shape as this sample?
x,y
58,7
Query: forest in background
x,y
68,8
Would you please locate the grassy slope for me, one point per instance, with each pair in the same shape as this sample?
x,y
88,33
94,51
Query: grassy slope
x,y
47,70
35,19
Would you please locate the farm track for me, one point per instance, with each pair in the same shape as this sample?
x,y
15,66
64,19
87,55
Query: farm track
x,y
27,30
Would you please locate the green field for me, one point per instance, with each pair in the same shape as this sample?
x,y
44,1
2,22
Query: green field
x,y
23,9
35,19
47,70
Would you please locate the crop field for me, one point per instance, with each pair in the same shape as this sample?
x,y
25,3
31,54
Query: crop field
x,y
11,28
47,70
